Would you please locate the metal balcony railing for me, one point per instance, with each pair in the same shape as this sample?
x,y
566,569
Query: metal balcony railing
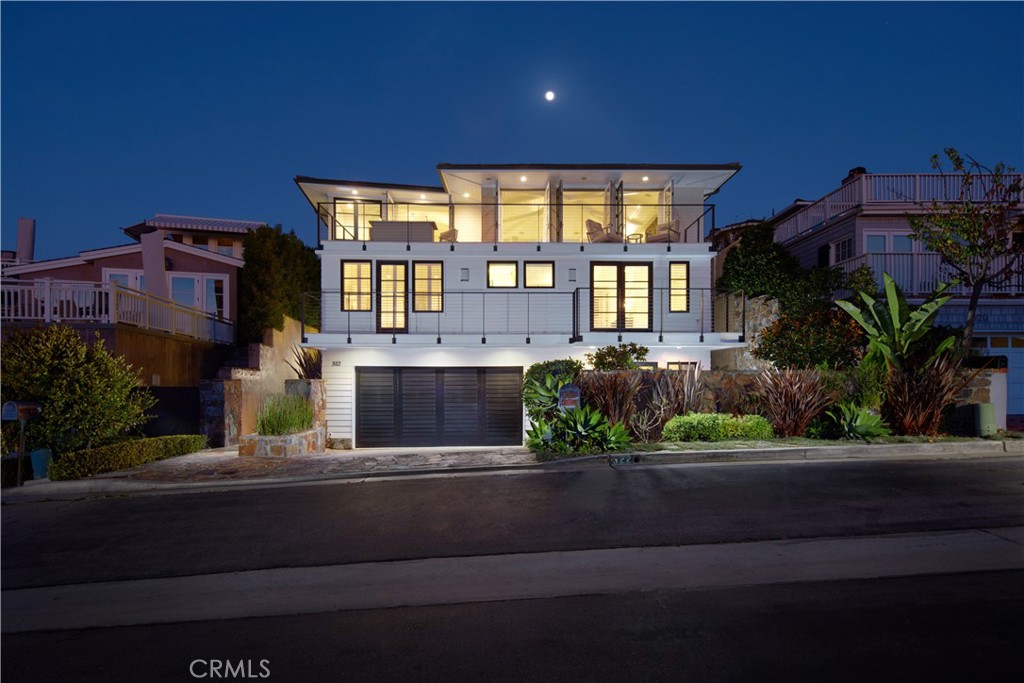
x,y
500,223
881,188
573,314
918,274
49,301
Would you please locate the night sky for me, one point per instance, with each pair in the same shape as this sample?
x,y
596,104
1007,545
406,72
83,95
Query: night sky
x,y
114,112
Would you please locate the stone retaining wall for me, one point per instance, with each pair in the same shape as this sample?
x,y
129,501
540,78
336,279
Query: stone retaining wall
x,y
284,446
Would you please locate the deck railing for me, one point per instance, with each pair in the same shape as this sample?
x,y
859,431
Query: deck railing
x,y
50,301
483,314
504,222
918,274
878,188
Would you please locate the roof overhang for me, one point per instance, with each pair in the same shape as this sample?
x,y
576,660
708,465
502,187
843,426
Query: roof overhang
x,y
320,190
460,179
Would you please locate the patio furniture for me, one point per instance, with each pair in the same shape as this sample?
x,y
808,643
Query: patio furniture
x,y
665,232
597,233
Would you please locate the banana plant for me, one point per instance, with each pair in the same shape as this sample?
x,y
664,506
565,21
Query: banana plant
x,y
893,327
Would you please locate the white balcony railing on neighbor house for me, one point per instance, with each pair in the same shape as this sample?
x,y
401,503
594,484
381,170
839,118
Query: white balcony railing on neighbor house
x,y
479,314
918,274
877,188
49,301
505,222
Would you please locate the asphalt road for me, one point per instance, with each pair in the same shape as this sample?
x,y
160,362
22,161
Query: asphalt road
x,y
592,507
950,626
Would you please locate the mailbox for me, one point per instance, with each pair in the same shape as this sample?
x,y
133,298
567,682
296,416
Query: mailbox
x,y
19,410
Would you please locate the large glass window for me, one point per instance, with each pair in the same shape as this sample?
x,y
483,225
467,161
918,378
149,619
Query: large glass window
x,y
502,274
355,286
642,210
539,274
579,206
215,301
524,216
352,219
679,287
183,290
428,287
874,244
431,213
391,297
620,296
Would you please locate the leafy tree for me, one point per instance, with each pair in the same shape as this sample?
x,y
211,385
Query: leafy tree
x,y
88,396
279,269
819,339
974,232
621,357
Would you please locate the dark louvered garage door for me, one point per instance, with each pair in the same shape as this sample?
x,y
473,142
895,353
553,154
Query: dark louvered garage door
x,y
438,407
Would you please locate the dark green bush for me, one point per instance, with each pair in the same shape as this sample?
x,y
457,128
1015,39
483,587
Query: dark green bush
x,y
621,357
716,427
89,397
123,455
567,369
817,339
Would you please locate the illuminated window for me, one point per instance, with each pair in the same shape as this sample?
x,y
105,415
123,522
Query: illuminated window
x,y
391,297
642,210
428,287
539,274
681,365
502,274
679,287
620,296
355,286
524,216
352,219
579,206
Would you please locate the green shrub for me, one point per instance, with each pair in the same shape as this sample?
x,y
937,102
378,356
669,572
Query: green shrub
x,y
88,396
281,414
123,455
820,338
568,369
621,357
716,427
579,431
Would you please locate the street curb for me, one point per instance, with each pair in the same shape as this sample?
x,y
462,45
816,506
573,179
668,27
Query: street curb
x,y
46,490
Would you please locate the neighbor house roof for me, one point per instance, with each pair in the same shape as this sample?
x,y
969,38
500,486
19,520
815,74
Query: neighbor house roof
x,y
165,221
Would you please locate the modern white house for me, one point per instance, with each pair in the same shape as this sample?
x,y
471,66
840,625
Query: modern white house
x,y
435,299
864,222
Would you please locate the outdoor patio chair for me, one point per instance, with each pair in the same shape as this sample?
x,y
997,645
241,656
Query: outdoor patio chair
x,y
596,233
665,232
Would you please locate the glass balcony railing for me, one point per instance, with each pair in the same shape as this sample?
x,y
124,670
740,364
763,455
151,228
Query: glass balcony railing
x,y
498,222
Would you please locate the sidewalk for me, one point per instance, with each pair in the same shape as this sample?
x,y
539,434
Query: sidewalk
x,y
220,468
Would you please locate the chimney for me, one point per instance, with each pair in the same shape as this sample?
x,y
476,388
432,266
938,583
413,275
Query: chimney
x,y
26,240
854,172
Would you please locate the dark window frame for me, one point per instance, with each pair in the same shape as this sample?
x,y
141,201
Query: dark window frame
x,y
671,290
502,263
369,293
439,295
620,313
526,282
380,295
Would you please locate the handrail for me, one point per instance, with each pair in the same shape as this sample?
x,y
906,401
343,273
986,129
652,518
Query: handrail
x,y
50,301
563,223
918,274
487,313
879,188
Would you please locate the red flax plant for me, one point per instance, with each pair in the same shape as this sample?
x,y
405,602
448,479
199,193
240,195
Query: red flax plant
x,y
792,398
612,393
916,401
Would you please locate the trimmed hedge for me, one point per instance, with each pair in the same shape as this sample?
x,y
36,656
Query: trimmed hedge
x,y
123,455
716,427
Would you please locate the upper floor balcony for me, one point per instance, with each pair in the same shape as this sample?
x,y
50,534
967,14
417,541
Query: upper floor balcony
x,y
896,192
917,274
510,222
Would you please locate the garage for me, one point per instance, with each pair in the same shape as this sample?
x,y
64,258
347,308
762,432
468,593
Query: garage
x,y
415,406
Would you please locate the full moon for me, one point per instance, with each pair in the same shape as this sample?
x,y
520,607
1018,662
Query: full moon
x,y
549,95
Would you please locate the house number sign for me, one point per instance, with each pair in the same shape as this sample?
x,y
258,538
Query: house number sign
x,y
569,397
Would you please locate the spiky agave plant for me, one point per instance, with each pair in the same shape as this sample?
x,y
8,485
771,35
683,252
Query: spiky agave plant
x,y
308,363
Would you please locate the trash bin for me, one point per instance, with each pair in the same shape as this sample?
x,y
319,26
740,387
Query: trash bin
x,y
40,462
985,419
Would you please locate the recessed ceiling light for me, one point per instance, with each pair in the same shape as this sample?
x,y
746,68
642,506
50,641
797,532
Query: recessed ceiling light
x,y
355,191
645,179
465,194
522,179
423,196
